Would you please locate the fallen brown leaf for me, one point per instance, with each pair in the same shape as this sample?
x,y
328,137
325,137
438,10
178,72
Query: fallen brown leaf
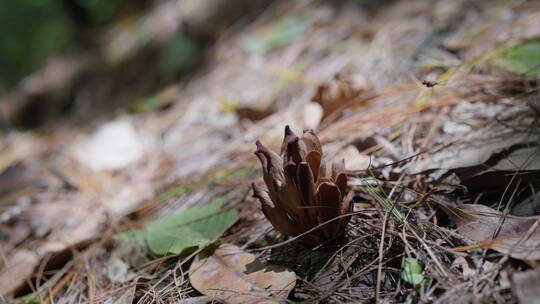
x,y
18,266
354,160
516,236
232,275
127,296
339,92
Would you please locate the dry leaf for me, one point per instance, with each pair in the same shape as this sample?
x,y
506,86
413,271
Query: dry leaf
x,y
339,92
517,236
528,207
17,267
127,295
232,275
525,286
354,160
470,270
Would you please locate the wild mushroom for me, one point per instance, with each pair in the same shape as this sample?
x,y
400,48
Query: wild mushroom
x,y
301,193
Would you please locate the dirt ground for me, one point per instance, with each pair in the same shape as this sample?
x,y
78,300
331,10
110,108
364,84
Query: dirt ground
x,y
444,172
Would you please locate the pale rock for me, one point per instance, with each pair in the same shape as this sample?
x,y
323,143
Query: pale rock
x,y
114,145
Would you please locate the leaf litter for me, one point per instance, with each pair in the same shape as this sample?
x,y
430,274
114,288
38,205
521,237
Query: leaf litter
x,y
422,146
518,237
232,275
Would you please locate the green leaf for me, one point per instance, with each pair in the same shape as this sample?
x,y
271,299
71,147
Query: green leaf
x,y
30,298
380,196
31,31
159,100
195,227
100,11
147,104
522,59
412,271
181,54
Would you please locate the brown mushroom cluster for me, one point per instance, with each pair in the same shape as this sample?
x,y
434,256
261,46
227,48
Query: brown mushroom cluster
x,y
302,193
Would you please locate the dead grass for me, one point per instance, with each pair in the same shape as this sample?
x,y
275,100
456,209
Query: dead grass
x,y
405,128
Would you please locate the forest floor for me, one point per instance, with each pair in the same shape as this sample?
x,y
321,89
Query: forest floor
x,y
445,174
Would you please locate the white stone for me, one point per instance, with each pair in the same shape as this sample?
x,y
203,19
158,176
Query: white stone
x,y
114,145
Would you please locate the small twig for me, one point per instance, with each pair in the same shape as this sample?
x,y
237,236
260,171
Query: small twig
x,y
68,181
335,254
430,252
381,251
59,286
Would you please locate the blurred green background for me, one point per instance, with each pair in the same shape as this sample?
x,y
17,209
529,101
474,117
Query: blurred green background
x,y
32,30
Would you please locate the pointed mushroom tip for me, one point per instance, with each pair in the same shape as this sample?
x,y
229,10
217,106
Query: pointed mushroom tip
x,y
260,147
260,156
288,130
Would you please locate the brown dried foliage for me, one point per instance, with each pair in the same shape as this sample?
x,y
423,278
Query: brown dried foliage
x,y
301,193
336,95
